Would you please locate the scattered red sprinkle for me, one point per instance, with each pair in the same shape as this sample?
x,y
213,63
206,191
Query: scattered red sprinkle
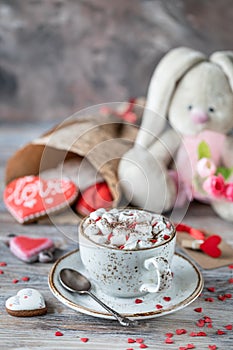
x,y
166,237
84,340
169,341
130,340
159,306
3,263
230,266
138,301
210,325
169,335
220,332
212,347
188,346
228,327
166,298
221,297
122,246
207,319
200,323
139,340
15,281
228,295
143,346
153,240
25,279
210,300
198,309
230,280
211,289
181,331
1,272
198,334
129,349
58,334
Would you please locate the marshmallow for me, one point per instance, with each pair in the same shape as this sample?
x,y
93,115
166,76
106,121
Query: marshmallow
x,y
97,214
91,229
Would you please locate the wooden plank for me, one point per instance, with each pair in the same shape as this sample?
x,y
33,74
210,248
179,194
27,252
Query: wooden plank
x,y
38,332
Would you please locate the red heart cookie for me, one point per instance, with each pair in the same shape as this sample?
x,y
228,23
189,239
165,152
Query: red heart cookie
x,y
28,249
94,197
210,246
30,197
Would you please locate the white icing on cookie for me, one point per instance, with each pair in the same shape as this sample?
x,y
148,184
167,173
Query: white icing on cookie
x,y
26,299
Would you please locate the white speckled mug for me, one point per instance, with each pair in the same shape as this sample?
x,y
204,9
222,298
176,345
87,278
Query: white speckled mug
x,y
128,273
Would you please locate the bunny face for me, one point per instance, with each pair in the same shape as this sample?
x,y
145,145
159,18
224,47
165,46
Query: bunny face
x,y
203,100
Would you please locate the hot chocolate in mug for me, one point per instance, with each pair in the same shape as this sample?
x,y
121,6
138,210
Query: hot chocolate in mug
x,y
127,252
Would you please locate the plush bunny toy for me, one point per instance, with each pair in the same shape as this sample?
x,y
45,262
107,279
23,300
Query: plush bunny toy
x,y
195,94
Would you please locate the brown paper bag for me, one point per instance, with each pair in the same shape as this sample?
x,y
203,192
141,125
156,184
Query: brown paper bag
x,y
101,139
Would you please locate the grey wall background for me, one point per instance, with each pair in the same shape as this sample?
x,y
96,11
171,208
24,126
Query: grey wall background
x,y
59,56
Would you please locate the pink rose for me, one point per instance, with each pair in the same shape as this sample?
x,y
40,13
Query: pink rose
x,y
206,167
214,185
229,191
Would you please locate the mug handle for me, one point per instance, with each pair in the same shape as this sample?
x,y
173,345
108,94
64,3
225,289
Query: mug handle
x,y
164,275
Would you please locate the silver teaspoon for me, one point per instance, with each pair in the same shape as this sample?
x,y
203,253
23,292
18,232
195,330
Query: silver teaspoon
x,y
75,282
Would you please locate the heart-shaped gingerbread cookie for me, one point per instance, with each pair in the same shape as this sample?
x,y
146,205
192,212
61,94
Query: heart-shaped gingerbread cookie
x,y
26,303
28,249
30,197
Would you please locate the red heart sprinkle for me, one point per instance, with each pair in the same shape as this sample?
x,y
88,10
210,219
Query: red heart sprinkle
x,y
84,340
138,301
181,331
166,237
169,335
230,280
15,281
58,334
211,289
212,347
3,263
143,346
228,296
190,346
201,334
166,298
221,297
210,300
230,266
182,348
1,272
130,340
169,341
158,306
25,279
129,349
139,340
210,246
220,332
207,319
198,309
200,323
228,327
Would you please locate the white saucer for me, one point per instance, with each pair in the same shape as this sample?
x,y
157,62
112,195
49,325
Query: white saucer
x,y
186,286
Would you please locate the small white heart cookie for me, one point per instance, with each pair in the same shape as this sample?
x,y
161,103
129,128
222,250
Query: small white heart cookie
x,y
26,303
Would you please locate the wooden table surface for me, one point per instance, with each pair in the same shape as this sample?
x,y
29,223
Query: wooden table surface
x,y
39,332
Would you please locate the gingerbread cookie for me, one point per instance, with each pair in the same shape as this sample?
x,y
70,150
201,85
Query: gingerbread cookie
x,y
27,302
29,198
32,249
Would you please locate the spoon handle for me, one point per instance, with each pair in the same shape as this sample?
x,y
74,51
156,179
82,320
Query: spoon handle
x,y
124,321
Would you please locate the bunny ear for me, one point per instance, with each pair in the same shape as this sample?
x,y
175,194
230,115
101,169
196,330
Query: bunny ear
x,y
224,59
163,82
